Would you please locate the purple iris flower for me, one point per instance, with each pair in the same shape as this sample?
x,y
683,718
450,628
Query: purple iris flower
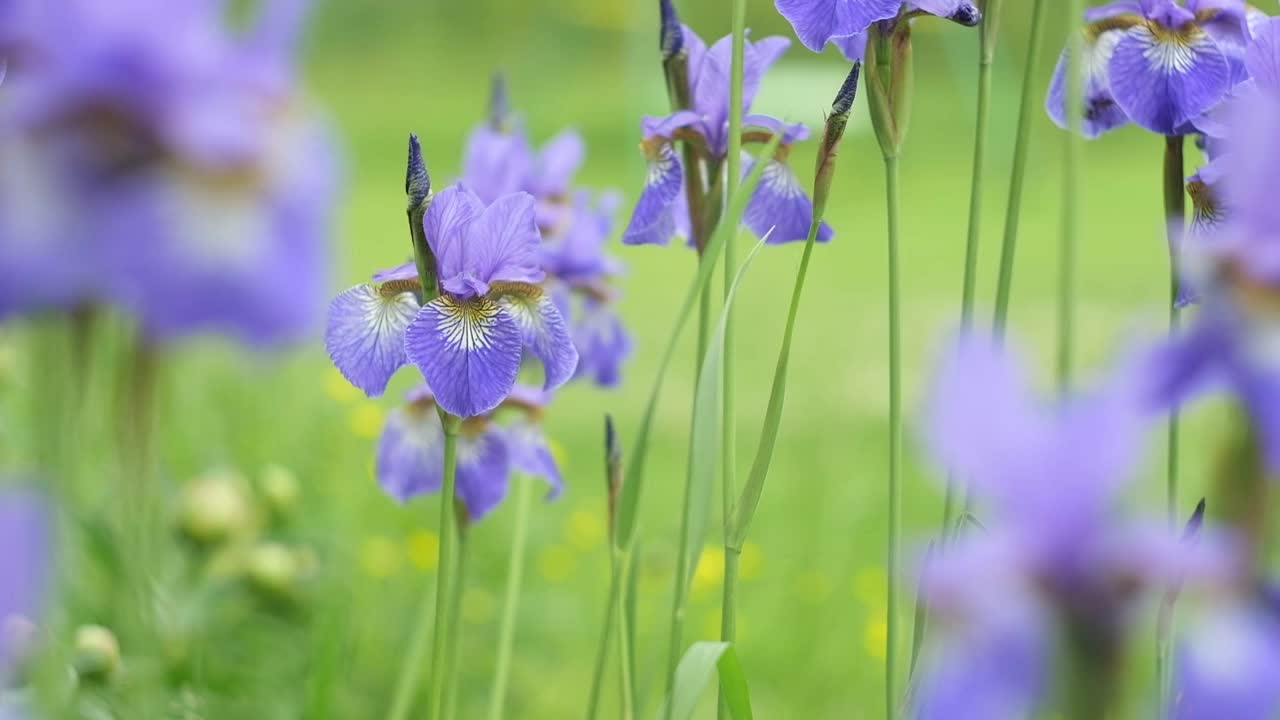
x,y
1160,64
1054,553
24,564
164,167
1227,666
410,454
469,341
1235,267
845,22
779,200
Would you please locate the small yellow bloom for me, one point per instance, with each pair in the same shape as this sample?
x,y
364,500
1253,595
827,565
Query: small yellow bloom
x,y
751,561
585,530
557,563
379,557
424,549
875,635
366,420
710,571
870,585
478,606
338,389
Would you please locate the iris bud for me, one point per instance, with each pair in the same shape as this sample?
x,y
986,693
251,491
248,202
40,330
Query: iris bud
x,y
280,490
273,569
96,657
215,508
417,182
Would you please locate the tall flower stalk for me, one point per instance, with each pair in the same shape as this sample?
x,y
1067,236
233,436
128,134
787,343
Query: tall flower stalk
x,y
1175,214
987,36
511,604
889,60
728,466
1071,173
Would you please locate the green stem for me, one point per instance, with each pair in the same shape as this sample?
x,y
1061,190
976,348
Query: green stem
x,y
602,653
895,440
1022,145
1174,190
626,666
411,669
515,578
986,59
1070,239
445,572
454,628
729,481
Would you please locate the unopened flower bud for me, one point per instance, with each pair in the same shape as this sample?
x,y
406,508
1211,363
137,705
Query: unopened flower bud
x,y
273,568
967,14
96,657
417,182
1195,523
280,490
831,137
499,103
215,508
671,37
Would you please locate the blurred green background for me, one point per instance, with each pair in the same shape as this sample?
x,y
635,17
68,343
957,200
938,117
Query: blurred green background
x,y
812,596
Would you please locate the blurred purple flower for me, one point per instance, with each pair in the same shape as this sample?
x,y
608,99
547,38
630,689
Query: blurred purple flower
x,y
1157,63
24,567
1054,553
779,200
164,167
1234,265
1227,666
411,451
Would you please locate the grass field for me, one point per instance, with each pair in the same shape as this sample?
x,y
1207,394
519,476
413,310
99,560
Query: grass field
x,y
812,599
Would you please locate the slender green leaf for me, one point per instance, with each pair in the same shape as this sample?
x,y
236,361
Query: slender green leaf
x,y
700,663
707,434
628,504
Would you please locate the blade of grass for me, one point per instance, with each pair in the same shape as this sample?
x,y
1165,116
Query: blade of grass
x,y
700,663
629,500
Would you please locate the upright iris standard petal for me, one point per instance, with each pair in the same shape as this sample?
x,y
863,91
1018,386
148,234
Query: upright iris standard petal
x,y
496,162
1101,111
780,209
410,454
502,244
468,350
1164,78
484,469
365,334
543,331
557,163
653,220
1263,56
817,21
448,218
531,454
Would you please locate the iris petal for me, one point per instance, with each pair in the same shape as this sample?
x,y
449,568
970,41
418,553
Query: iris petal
x,y
779,203
484,468
365,335
531,454
468,350
1164,79
410,455
1101,112
652,222
544,332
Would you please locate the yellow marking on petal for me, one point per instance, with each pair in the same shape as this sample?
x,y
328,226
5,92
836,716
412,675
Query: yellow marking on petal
x,y
875,638
585,530
379,557
423,549
338,389
478,606
366,420
467,325
870,585
710,571
750,563
557,563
